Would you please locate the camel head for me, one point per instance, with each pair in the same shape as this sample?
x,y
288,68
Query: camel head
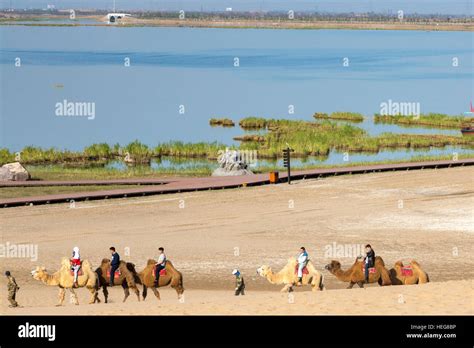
x,y
264,271
333,266
38,273
105,261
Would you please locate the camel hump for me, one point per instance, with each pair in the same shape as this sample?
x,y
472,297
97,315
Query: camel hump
x,y
292,260
380,260
422,275
65,262
150,262
86,264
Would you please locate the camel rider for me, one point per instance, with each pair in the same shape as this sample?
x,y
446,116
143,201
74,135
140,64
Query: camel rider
x,y
114,264
239,283
302,262
12,289
160,264
75,264
369,260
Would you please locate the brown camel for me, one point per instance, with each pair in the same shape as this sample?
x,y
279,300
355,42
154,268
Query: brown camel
x,y
409,274
64,279
356,274
172,277
123,276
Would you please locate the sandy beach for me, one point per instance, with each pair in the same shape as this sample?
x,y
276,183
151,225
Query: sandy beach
x,y
424,215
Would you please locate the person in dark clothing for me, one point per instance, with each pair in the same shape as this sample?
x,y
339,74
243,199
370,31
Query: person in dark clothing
x,y
114,264
12,289
161,264
369,260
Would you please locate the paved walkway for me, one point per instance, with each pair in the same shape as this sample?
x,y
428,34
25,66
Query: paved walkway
x,y
175,185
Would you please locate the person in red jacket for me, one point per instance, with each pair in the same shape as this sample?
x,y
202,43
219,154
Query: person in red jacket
x,y
75,264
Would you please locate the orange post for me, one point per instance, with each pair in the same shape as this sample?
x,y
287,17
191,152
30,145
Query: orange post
x,y
274,177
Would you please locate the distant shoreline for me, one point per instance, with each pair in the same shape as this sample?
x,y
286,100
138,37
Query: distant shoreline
x,y
240,23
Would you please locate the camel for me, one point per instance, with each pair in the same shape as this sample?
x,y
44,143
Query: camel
x,y
172,277
408,275
64,279
124,277
356,274
288,276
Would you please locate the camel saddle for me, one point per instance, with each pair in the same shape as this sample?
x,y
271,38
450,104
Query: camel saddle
x,y
305,270
117,274
79,273
407,271
162,272
371,269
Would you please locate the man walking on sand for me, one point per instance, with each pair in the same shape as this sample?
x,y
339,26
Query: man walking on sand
x,y
239,283
12,289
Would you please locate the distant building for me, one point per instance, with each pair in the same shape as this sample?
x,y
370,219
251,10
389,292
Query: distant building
x,y
113,17
228,9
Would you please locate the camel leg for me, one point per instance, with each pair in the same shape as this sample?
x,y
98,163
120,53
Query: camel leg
x,y
156,292
93,292
351,284
126,293
74,296
144,292
361,284
287,288
106,293
61,296
137,292
316,284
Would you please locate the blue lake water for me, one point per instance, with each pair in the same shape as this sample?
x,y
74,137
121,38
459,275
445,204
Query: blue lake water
x,y
192,70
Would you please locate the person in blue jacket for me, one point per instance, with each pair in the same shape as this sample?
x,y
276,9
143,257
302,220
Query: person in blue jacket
x,y
114,264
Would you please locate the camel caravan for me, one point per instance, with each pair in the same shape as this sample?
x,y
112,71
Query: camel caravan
x,y
76,273
365,270
69,277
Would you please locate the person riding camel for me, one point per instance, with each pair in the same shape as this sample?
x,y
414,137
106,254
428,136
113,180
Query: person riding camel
x,y
75,264
302,262
114,264
160,264
369,260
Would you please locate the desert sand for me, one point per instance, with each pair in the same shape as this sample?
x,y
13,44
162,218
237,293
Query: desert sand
x,y
424,215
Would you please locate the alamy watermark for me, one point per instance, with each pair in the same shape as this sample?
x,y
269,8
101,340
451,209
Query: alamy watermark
x,y
392,108
336,250
11,250
75,109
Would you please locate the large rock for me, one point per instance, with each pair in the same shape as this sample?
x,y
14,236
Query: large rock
x,y
230,164
13,172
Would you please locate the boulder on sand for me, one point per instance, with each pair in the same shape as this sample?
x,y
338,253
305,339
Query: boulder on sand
x,y
13,172
230,164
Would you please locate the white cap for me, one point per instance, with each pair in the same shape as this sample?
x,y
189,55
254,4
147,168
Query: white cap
x,y
235,271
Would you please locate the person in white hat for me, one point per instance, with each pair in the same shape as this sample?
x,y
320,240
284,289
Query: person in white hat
x,y
75,264
239,283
